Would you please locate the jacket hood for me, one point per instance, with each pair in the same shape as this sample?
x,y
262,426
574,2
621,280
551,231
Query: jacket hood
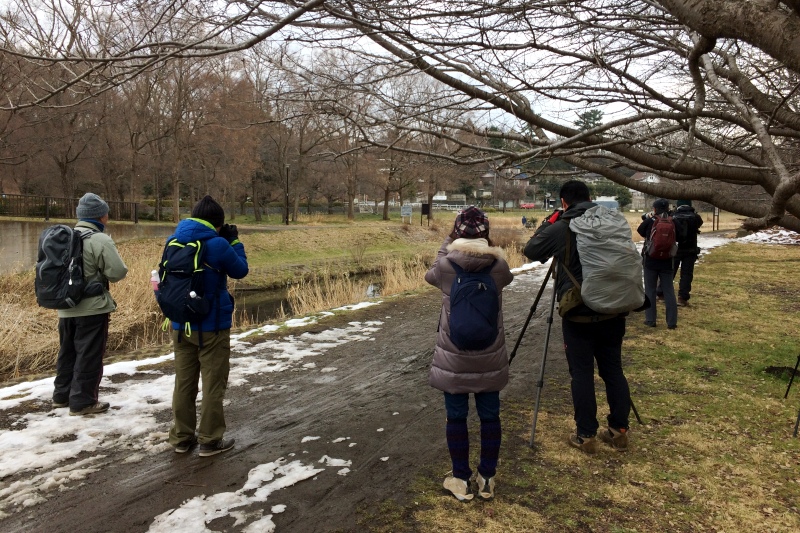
x,y
576,210
476,247
685,209
194,229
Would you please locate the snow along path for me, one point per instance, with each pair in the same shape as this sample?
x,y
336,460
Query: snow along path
x,y
343,399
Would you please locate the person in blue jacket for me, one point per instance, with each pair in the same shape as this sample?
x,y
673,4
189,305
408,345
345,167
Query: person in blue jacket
x,y
205,349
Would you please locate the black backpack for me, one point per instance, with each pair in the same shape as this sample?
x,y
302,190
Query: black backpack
x,y
682,222
59,282
474,306
182,294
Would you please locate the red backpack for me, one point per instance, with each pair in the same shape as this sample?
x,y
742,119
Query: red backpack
x,y
662,243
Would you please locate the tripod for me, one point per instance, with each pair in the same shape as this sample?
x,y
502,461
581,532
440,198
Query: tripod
x,y
791,380
540,381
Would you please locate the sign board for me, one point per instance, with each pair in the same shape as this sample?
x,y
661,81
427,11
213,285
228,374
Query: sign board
x,y
426,209
405,210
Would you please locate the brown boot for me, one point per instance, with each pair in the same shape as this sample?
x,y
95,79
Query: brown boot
x,y
584,444
616,438
682,302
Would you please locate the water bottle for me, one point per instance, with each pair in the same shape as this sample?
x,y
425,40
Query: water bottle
x,y
154,280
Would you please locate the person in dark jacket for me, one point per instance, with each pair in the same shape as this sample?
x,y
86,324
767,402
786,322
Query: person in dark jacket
x,y
459,373
205,349
588,336
658,273
83,329
687,226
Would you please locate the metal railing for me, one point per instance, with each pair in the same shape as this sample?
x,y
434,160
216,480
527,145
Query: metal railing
x,y
47,207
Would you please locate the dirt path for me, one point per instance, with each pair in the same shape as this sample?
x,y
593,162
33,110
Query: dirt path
x,y
372,394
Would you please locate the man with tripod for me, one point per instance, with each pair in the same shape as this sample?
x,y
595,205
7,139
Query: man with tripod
x,y
588,336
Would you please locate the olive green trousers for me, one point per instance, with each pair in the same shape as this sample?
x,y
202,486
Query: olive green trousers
x,y
212,364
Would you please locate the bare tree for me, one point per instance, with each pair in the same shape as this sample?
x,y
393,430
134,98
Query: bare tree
x,y
691,90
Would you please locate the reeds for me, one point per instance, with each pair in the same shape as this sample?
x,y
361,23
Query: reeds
x,y
29,334
325,290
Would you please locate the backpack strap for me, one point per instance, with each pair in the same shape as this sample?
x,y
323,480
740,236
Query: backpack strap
x,y
567,257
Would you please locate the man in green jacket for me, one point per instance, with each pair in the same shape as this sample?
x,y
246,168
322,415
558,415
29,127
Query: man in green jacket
x,y
83,329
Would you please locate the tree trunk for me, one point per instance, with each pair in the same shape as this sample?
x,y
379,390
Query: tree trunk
x,y
176,199
386,194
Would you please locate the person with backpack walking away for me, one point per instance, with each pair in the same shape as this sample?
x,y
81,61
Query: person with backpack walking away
x,y
83,329
470,354
659,250
687,226
202,342
589,335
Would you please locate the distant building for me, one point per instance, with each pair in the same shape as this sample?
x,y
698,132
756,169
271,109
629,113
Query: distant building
x,y
607,201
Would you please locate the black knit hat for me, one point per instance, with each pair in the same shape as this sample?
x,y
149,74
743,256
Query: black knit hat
x,y
209,210
471,223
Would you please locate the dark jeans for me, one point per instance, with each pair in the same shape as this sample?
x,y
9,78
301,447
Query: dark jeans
x,y
601,341
487,404
686,266
457,407
79,367
664,277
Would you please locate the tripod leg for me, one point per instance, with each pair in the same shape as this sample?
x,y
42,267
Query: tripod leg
x,y
635,412
797,423
791,380
530,314
540,382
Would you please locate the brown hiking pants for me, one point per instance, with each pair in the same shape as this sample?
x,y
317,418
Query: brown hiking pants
x,y
212,363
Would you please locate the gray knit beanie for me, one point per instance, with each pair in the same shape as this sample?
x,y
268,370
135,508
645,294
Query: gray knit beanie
x,y
91,206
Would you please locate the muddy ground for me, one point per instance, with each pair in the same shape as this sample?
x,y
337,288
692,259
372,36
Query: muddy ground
x,y
378,397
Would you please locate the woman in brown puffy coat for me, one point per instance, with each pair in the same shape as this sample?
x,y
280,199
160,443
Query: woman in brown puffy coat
x,y
480,368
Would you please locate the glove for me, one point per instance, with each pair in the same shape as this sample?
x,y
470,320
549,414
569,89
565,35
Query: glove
x,y
229,232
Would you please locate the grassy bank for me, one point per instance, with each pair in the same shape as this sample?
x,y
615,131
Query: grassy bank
x,y
320,261
716,453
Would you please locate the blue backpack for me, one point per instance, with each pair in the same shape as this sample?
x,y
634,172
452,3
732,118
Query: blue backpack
x,y
182,294
474,306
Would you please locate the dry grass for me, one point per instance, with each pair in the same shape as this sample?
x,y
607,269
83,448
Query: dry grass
x,y
325,291
716,453
399,276
29,334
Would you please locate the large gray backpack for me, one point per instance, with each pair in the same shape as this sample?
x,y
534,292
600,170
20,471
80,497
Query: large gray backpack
x,y
611,266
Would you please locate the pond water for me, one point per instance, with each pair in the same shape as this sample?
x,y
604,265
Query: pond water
x,y
19,240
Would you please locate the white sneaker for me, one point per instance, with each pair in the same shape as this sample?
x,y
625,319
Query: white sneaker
x,y
458,488
485,487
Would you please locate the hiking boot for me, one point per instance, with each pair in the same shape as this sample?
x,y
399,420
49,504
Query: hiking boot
x,y
459,488
185,446
96,409
583,443
673,327
484,488
213,448
682,302
616,438
650,324
57,405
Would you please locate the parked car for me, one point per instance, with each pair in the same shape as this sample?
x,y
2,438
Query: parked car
x,y
528,206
